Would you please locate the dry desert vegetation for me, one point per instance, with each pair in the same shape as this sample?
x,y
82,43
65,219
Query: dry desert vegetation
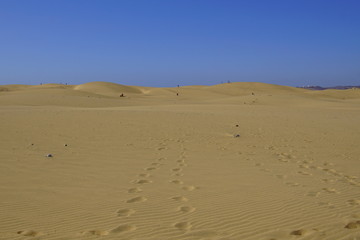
x,y
234,161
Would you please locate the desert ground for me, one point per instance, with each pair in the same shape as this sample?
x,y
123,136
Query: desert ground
x,y
234,161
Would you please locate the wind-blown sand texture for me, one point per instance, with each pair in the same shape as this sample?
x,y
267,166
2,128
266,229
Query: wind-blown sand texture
x,y
232,161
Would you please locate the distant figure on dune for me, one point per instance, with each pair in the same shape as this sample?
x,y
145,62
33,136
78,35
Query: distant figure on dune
x,y
177,94
122,95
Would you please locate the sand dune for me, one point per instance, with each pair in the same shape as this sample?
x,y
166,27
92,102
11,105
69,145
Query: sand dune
x,y
106,88
224,162
105,94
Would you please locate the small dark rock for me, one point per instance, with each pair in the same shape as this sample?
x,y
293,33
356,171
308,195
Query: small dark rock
x,y
65,145
237,125
49,155
236,135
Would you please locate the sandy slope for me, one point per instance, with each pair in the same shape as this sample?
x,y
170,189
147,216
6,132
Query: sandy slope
x,y
153,165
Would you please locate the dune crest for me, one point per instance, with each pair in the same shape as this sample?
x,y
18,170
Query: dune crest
x,y
107,88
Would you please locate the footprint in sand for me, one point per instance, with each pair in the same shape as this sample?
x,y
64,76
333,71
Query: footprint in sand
x,y
328,164
299,232
150,168
30,233
177,181
176,169
305,166
123,228
287,155
181,161
183,226
155,164
179,198
353,225
352,182
136,199
354,202
351,177
144,175
327,180
292,184
142,181
304,173
134,190
186,209
330,170
178,174
330,190
283,160
182,164
125,212
189,188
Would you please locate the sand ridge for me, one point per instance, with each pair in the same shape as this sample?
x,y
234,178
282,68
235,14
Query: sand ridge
x,y
154,165
104,94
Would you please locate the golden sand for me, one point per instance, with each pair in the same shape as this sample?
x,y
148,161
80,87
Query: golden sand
x,y
226,162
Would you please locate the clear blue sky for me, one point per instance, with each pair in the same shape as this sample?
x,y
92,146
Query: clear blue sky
x,y
187,42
